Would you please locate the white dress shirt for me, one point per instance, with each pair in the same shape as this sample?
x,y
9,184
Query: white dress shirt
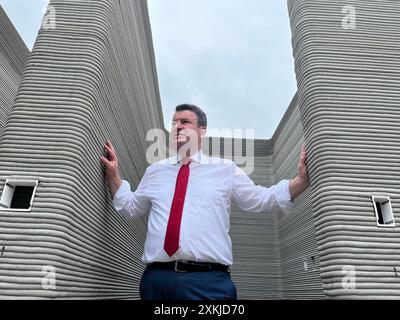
x,y
213,184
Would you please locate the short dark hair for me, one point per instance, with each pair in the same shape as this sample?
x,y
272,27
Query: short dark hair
x,y
201,116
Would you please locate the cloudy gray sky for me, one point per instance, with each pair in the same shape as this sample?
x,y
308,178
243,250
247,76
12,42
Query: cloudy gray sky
x,y
232,58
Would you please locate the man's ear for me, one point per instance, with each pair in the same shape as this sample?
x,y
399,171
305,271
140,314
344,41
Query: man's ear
x,y
203,131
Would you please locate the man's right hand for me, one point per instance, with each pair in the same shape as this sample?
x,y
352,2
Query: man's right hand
x,y
111,168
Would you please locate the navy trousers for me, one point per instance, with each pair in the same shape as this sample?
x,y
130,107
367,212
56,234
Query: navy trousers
x,y
165,284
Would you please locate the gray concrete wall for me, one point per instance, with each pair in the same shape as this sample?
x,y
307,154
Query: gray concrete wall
x,y
297,241
13,57
85,82
91,78
348,88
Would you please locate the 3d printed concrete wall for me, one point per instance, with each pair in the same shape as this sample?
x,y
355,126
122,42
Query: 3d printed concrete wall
x,y
347,66
13,57
92,77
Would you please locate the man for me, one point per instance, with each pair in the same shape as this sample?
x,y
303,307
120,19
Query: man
x,y
188,250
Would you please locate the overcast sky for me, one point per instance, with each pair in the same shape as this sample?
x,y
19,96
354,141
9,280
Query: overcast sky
x,y
232,58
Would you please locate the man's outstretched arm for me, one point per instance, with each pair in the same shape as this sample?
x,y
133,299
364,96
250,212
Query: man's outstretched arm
x,y
301,182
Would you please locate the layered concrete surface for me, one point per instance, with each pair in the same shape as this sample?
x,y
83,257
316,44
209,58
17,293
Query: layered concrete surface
x,y
347,66
13,57
91,78
94,77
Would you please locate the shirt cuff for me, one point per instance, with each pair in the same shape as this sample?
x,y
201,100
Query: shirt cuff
x,y
283,196
121,196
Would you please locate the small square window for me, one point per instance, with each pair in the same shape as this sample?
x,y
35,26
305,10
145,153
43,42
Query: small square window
x,y
383,211
305,263
309,263
18,194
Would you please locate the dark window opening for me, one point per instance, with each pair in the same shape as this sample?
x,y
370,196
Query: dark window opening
x,y
22,197
379,212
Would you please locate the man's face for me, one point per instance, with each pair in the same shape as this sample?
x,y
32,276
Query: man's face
x,y
185,129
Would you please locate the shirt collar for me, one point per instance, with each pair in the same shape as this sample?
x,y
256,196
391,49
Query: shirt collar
x,y
198,157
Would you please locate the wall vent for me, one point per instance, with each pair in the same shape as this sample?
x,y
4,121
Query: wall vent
x,y
383,211
18,194
305,264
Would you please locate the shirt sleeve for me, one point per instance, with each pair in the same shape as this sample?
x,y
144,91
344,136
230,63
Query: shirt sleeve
x,y
132,204
255,198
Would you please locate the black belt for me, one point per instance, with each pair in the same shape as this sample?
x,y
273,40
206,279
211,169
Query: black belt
x,y
187,266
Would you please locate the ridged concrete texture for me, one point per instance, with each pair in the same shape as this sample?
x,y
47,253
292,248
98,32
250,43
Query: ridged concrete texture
x,y
349,95
297,241
91,78
13,57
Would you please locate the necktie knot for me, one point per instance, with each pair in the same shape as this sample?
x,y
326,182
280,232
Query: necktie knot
x,y
185,161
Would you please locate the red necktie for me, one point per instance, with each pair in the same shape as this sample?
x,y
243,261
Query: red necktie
x,y
171,244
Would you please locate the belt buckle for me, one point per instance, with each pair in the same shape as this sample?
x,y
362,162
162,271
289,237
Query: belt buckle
x,y
176,266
